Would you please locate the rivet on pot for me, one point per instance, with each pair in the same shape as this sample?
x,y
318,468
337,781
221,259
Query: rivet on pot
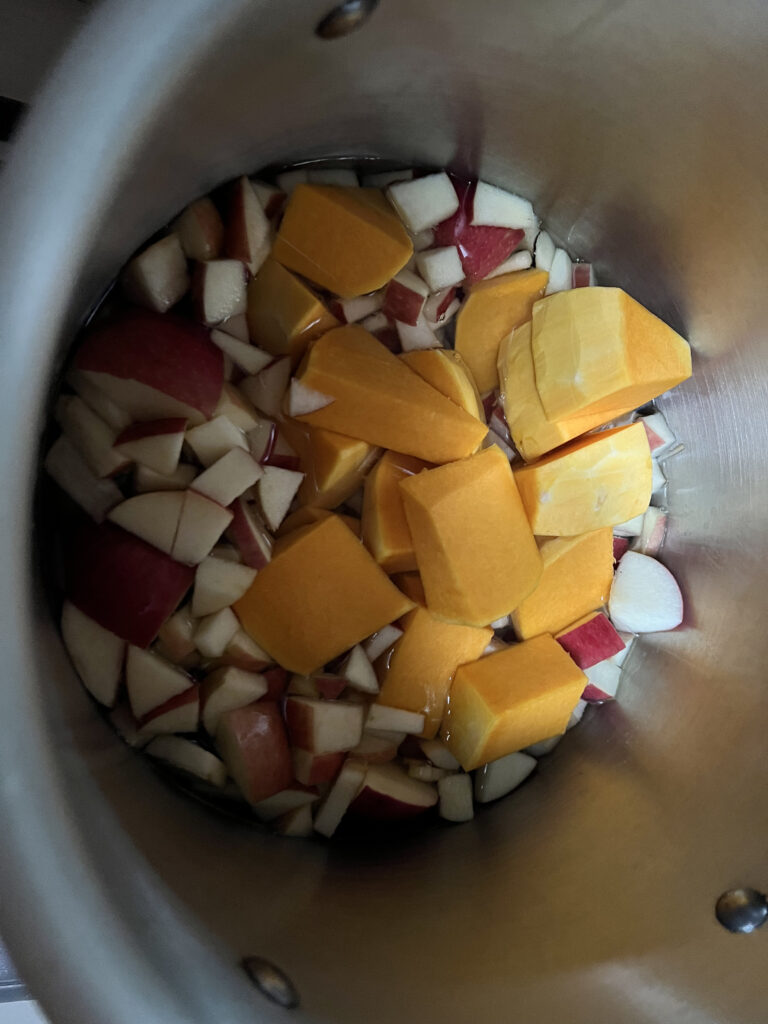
x,y
271,981
345,18
742,910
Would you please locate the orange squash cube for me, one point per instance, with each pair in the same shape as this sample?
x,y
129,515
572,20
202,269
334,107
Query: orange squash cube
x,y
334,465
308,515
347,240
447,371
510,700
411,585
474,548
385,528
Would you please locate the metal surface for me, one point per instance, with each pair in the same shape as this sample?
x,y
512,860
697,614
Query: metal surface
x,y
742,910
271,981
638,127
345,18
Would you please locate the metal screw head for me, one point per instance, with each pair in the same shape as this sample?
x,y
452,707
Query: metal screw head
x,y
742,910
345,18
271,981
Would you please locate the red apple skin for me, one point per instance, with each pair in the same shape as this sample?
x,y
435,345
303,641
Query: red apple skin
x,y
620,547
152,428
450,231
254,745
591,643
371,805
481,248
277,680
314,769
171,354
241,532
330,687
123,583
400,303
179,700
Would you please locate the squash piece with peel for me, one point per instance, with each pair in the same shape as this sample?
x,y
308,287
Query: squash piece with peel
x,y
385,528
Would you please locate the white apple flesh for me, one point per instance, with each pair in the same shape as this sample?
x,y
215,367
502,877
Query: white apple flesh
x,y
424,202
323,726
151,681
190,758
156,445
359,672
154,517
92,437
201,524
276,490
249,535
200,230
228,477
497,778
213,632
382,717
645,597
441,267
226,689
455,796
219,290
157,278
336,803
218,584
96,653
66,466
267,388
249,358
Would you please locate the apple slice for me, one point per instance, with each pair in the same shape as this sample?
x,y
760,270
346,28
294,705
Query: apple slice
x,y
352,311
200,230
455,794
261,439
157,278
212,440
71,472
201,523
296,824
98,401
96,653
604,679
645,597
493,206
90,435
228,477
423,240
146,479
382,717
303,400
544,251
218,584
272,198
483,249
404,297
154,517
440,756
590,640
424,202
276,490
281,454
242,652
236,327
247,235
418,336
154,366
380,641
383,178
497,778
190,758
226,553
388,793
325,686
358,671
560,273
249,535
219,290
324,726
156,445
175,640
236,407
583,275
226,689
266,389
178,714
151,681
521,260
285,801
377,749
288,180
253,744
313,769
213,632
441,267
424,772
630,528
437,305
249,358
277,681
650,540
660,438
348,783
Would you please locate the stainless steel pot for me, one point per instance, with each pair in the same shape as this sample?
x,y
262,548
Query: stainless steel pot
x,y
638,128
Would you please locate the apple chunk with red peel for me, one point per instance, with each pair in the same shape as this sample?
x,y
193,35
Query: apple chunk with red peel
x,y
156,444
178,714
151,681
213,633
381,717
249,358
200,230
482,249
201,523
157,278
493,206
267,388
96,653
377,749
313,769
358,672
249,536
188,757
227,689
219,290
229,477
123,583
146,480
390,794
424,202
276,490
324,726
380,641
154,517
218,584
212,440
154,366
100,403
175,641
590,640
253,744
645,597
321,685
247,234
66,467
404,297
340,796
242,652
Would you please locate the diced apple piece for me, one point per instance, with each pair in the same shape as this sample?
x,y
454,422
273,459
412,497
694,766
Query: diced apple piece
x,y
590,640
660,438
437,305
180,713
650,540
219,290
493,206
229,477
188,757
440,756
323,727
236,327
441,267
302,399
424,202
250,359
483,249
276,490
97,400
243,653
154,517
313,769
146,480
249,536
358,671
151,681
247,231
344,790
253,744
200,231
497,778
296,824
631,527
343,177
218,584
96,653
425,772
544,251
604,679
90,435
560,273
404,297
620,547
71,472
645,597
213,632
543,747
416,337
389,794
176,637
377,748
286,800
154,366
201,523
226,689
236,407
522,260
156,445
212,440
157,278
327,686
380,641
383,718
583,275
352,311
271,197
455,795
267,389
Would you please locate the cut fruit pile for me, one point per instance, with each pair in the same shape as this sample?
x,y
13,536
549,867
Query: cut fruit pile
x,y
365,503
